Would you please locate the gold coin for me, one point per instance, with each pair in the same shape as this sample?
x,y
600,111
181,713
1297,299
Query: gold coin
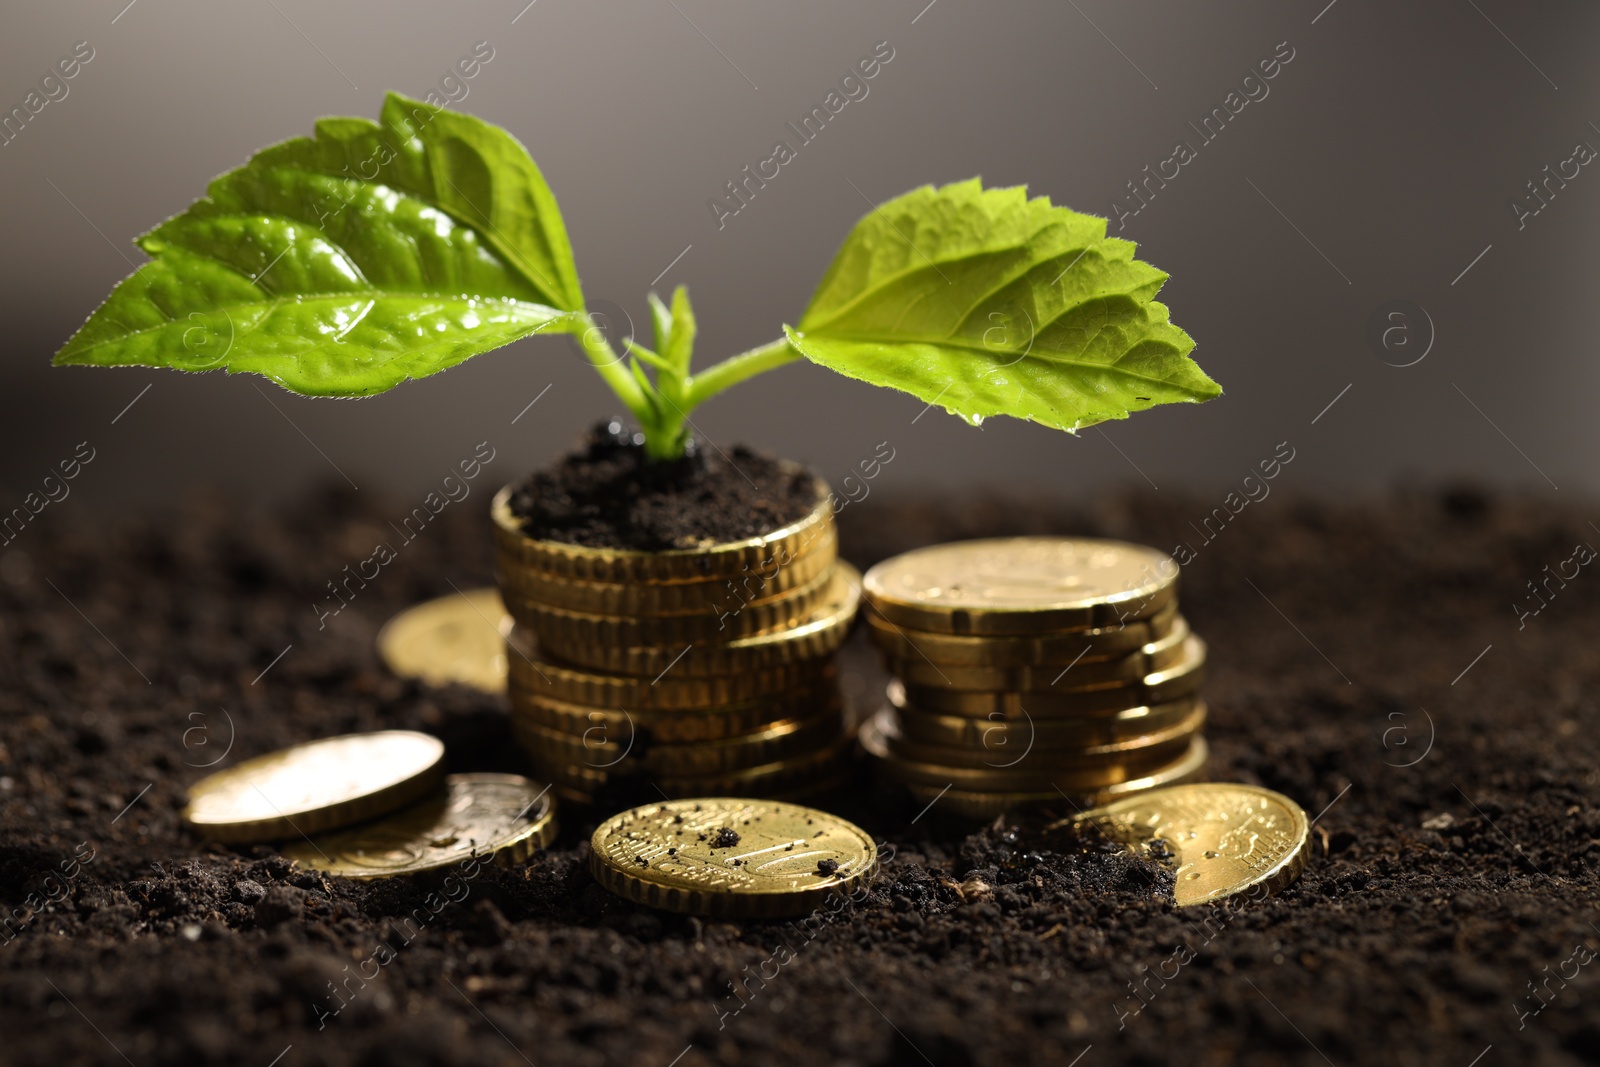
x,y
559,627
535,675
1174,683
1026,764
320,785
500,818
1061,649
630,750
753,585
806,793
998,733
970,804
1022,585
457,638
515,550
1177,648
1226,837
768,779
731,857
817,636
678,726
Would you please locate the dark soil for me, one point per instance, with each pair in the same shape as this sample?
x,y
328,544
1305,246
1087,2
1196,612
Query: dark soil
x,y
607,494
1435,895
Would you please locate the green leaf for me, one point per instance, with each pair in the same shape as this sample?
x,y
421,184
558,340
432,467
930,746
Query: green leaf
x,y
988,303
344,264
680,350
661,320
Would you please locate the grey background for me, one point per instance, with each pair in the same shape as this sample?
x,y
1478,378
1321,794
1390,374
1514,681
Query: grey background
x,y
1382,163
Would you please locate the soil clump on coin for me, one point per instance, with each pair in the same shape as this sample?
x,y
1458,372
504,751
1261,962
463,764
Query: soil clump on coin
x,y
607,494
1455,856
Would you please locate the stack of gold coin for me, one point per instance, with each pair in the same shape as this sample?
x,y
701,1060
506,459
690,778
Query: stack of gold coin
x,y
1034,670
705,671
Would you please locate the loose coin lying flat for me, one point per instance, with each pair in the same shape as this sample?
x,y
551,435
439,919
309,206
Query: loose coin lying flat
x,y
458,638
1022,585
1227,837
503,818
730,857
321,785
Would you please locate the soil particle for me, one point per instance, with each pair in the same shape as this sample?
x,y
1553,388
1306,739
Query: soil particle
x,y
999,945
280,904
607,494
725,838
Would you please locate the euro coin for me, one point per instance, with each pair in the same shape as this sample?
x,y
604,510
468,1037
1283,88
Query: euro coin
x,y
1023,586
455,639
1072,778
726,620
677,726
317,786
1226,837
997,733
630,751
754,585
976,804
1022,749
535,674
1182,679
817,636
1176,649
731,858
498,818
1061,649
768,779
515,550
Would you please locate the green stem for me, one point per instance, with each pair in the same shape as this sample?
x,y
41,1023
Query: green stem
x,y
735,369
612,369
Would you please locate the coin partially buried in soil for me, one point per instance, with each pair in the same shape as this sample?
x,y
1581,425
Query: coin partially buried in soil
x,y
1227,837
731,857
458,639
503,818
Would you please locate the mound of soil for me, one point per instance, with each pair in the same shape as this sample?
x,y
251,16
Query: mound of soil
x,y
1365,661
607,494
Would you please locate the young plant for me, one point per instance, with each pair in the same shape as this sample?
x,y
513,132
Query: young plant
x,y
372,253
